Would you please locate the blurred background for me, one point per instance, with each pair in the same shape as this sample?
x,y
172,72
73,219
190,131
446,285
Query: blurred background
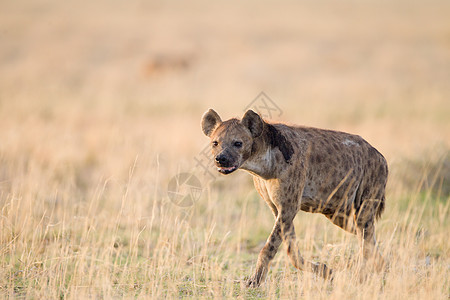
x,y
100,107
89,87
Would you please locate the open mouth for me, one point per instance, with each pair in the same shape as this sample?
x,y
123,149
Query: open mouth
x,y
226,170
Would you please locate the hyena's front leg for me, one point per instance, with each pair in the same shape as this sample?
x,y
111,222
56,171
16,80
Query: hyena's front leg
x,y
266,255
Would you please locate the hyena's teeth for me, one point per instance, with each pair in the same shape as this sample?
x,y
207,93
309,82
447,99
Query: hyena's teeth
x,y
226,168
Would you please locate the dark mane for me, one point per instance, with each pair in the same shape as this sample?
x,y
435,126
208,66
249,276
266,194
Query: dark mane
x,y
277,140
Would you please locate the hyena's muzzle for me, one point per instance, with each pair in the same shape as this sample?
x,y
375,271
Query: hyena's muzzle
x,y
226,162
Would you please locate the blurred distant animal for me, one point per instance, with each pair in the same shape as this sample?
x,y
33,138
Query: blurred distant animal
x,y
300,168
162,63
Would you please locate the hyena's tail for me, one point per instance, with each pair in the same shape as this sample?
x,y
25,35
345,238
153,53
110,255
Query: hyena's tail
x,y
380,207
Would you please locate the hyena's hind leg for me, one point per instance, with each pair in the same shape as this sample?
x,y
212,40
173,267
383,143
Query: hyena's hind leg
x,y
362,223
365,229
288,234
347,222
343,221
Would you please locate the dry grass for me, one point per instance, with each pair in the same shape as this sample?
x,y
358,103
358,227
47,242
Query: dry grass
x,y
100,107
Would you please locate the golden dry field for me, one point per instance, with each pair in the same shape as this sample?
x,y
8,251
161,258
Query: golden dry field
x,y
100,108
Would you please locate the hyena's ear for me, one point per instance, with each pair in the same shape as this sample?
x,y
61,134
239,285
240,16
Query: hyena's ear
x,y
210,121
253,122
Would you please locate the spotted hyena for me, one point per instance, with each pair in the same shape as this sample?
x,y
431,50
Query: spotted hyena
x,y
300,168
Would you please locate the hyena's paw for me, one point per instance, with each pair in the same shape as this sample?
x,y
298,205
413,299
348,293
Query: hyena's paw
x,y
324,271
255,280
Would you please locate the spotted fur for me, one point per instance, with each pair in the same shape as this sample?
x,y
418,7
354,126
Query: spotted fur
x,y
296,168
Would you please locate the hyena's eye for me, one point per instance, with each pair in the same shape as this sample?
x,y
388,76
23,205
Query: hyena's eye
x,y
238,144
215,143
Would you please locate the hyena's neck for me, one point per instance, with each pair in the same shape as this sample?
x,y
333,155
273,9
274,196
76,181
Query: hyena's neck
x,y
261,163
267,150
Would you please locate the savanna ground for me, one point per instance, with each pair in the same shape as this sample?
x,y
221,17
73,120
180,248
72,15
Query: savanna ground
x,y
100,105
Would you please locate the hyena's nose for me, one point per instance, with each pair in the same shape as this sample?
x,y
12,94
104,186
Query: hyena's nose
x,y
221,159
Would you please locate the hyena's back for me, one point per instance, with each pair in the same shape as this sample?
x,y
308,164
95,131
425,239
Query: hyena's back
x,y
343,170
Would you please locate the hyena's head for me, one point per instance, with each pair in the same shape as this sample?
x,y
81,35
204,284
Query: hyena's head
x,y
232,140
